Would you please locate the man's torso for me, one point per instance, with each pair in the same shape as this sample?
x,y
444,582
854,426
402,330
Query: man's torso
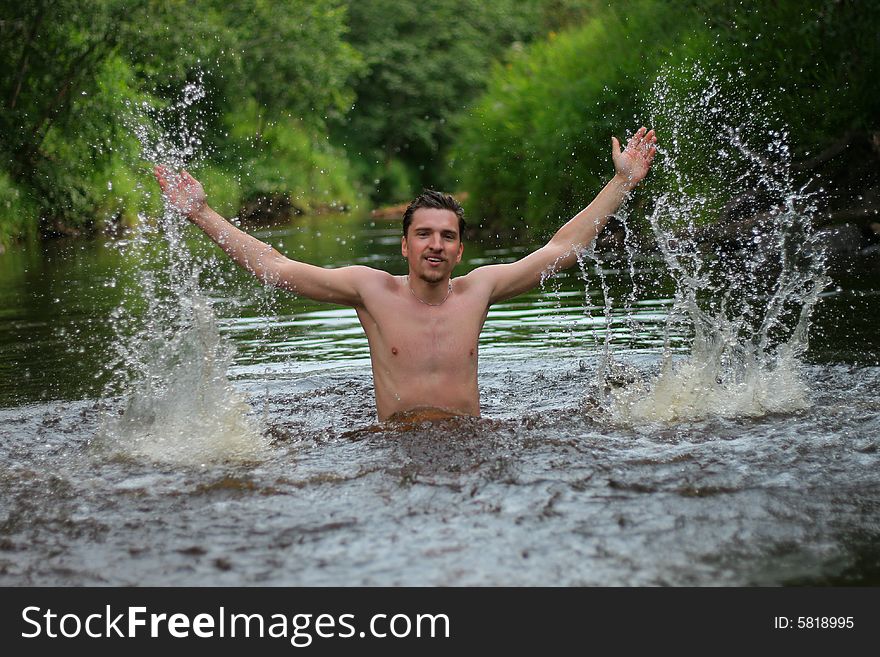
x,y
423,356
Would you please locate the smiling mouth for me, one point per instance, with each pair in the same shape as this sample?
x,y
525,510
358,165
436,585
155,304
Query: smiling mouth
x,y
434,260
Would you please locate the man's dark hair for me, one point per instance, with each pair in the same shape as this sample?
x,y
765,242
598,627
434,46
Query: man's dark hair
x,y
430,198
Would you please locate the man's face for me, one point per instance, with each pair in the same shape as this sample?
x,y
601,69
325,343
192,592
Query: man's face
x,y
432,244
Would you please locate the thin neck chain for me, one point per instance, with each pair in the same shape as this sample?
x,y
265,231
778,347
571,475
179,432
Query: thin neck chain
x,y
448,291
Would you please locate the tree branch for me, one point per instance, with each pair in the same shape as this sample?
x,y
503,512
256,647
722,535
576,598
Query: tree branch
x,y
23,60
73,72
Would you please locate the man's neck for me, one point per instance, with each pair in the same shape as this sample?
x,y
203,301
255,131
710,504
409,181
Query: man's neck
x,y
430,293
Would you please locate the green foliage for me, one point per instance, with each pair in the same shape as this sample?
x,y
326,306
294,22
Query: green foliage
x,y
18,209
292,59
536,147
61,92
825,58
51,52
397,84
222,187
89,163
75,72
424,63
287,160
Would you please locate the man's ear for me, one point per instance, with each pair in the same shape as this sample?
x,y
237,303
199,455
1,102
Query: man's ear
x,y
403,245
460,251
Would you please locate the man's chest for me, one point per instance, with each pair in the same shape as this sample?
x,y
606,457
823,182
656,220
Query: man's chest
x,y
404,330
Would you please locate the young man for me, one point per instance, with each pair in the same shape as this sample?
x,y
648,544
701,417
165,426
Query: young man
x,y
423,328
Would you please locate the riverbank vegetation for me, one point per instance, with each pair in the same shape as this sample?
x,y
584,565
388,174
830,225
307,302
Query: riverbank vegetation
x,y
535,147
315,105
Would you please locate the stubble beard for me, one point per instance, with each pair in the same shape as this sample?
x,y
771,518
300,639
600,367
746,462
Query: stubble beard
x,y
432,277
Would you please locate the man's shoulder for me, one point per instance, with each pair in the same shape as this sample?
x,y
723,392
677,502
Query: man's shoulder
x,y
476,283
363,272
369,278
475,278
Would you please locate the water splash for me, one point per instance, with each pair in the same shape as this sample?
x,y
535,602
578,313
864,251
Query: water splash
x,y
171,360
185,410
736,235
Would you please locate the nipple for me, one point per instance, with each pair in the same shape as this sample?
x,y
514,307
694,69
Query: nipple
x,y
394,350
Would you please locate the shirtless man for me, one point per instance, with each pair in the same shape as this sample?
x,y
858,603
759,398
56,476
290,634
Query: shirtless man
x,y
422,328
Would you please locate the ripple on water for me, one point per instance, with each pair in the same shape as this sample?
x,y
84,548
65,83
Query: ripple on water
x,y
557,496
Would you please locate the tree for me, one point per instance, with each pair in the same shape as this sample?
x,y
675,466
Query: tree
x,y
424,65
70,71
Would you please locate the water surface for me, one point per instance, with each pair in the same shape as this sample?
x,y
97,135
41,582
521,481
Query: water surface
x,y
545,489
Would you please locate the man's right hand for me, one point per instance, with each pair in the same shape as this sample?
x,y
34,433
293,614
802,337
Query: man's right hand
x,y
182,192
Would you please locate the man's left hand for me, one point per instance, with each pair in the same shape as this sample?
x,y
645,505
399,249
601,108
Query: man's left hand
x,y
632,164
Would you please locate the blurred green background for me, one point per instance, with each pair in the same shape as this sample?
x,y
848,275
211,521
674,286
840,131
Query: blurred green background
x,y
321,106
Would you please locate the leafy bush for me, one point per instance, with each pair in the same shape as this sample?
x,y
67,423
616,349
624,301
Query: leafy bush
x,y
287,159
535,148
17,210
72,71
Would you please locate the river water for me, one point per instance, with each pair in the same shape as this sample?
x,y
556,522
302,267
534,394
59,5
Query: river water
x,y
674,415
256,458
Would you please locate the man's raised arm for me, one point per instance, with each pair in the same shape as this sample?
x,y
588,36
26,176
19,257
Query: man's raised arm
x,y
185,194
630,167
